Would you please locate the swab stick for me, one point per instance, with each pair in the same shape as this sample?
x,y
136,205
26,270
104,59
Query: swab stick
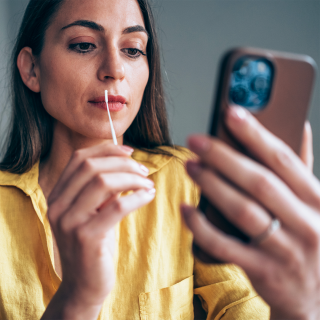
x,y
114,137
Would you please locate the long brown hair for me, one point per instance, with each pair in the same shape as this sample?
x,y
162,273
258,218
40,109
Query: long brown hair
x,y
30,138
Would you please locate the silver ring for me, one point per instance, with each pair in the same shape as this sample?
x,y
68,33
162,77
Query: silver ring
x,y
273,227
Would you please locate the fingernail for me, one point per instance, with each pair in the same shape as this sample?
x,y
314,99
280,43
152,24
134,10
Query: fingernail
x,y
126,149
237,113
186,210
144,169
151,191
193,168
199,144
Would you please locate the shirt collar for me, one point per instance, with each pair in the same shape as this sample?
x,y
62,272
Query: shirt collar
x,y
28,181
154,162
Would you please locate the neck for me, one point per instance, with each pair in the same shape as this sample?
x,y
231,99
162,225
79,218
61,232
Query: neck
x,y
64,143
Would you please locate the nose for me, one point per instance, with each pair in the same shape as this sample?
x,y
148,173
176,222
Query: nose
x,y
112,66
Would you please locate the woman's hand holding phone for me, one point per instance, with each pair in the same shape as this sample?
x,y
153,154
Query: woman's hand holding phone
x,y
83,209
284,267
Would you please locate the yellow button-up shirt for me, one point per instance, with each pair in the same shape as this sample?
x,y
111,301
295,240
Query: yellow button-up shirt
x,y
156,274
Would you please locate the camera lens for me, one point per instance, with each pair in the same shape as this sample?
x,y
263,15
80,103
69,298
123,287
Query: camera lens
x,y
239,95
260,85
242,70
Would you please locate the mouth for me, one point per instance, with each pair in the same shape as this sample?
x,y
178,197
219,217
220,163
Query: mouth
x,y
115,103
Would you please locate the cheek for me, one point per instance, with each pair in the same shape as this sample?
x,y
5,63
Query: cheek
x,y
61,86
139,80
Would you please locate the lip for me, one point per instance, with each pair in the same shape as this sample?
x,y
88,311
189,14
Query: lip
x,y
115,103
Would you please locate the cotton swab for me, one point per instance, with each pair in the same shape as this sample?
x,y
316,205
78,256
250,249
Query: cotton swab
x,y
114,137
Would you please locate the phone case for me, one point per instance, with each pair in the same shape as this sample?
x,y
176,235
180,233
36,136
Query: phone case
x,y
284,114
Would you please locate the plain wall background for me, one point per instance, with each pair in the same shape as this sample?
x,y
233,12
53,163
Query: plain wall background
x,y
194,34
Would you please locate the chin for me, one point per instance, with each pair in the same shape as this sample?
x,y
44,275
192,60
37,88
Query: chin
x,y
101,134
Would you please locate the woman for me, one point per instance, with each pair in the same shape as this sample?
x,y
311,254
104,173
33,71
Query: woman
x,y
70,249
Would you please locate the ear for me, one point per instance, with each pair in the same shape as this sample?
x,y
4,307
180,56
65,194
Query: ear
x,y
28,69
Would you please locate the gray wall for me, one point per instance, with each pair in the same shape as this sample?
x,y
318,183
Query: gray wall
x,y
11,13
3,66
194,34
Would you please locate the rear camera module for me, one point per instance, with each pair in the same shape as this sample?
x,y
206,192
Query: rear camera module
x,y
239,94
260,85
251,82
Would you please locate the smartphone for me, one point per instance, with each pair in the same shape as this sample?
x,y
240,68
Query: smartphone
x,y
276,88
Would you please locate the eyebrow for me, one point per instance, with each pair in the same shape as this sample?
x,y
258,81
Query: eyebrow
x,y
136,28
85,23
98,27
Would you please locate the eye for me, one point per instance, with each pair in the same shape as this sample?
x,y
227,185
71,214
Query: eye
x,y
83,47
133,52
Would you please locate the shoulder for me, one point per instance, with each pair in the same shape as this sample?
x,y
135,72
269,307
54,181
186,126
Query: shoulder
x,y
13,200
26,182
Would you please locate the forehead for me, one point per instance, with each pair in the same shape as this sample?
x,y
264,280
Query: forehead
x,y
109,13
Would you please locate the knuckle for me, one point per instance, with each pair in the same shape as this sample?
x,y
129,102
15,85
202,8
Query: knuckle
x,y
130,164
88,166
78,155
135,165
283,156
128,161
295,264
119,206
263,186
82,235
215,146
101,182
244,214
62,225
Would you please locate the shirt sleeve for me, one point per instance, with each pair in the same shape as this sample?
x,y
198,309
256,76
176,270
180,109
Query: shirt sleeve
x,y
226,292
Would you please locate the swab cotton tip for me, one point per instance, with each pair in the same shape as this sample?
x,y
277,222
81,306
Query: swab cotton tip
x,y
114,137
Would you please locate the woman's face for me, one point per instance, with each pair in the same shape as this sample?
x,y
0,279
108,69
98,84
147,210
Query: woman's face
x,y
92,46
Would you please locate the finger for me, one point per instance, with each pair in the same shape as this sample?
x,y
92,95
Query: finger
x,y
239,209
274,153
117,210
259,267
259,182
108,201
90,168
306,153
95,194
222,247
101,150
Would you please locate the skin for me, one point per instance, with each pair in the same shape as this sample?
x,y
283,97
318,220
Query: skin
x,y
68,79
285,267
84,173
